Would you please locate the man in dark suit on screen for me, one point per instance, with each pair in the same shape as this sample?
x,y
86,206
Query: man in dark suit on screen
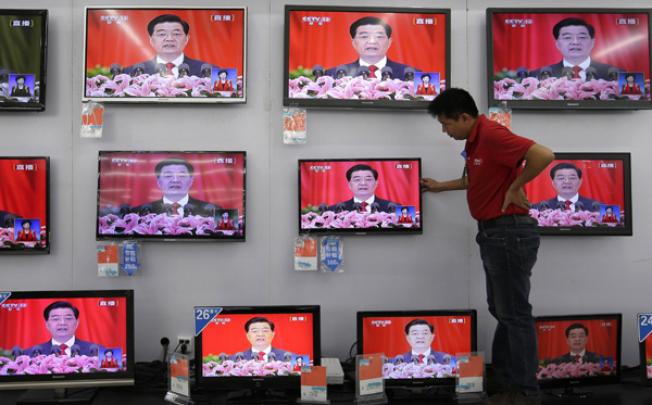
x,y
420,334
175,177
363,180
575,38
371,37
577,336
61,321
260,333
168,35
567,179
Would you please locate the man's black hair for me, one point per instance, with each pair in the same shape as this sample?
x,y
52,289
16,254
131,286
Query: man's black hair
x,y
174,161
567,22
453,102
417,321
565,165
223,71
356,168
20,77
258,319
108,350
163,18
370,21
425,75
577,326
59,304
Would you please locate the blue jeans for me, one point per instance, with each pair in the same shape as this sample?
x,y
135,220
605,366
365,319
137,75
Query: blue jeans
x,y
508,248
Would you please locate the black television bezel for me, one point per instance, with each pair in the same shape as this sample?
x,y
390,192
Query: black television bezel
x,y
167,100
627,230
259,382
40,105
78,379
359,231
584,381
643,359
561,104
173,238
35,250
417,382
359,104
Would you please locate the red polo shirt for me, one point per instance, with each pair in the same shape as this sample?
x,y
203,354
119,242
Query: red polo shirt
x,y
494,156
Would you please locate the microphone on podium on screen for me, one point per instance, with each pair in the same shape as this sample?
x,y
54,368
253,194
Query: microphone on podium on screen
x,y
184,70
139,69
115,70
591,73
568,72
161,69
317,71
222,357
16,351
75,350
322,208
386,73
363,71
239,356
206,70
94,350
271,356
287,357
595,206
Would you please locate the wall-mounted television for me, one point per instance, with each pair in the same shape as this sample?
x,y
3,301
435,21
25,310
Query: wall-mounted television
x,y
420,347
360,196
66,339
191,196
24,204
645,348
583,194
578,349
178,55
368,57
257,348
545,58
23,59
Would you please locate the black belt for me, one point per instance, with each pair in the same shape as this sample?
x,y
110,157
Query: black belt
x,y
507,220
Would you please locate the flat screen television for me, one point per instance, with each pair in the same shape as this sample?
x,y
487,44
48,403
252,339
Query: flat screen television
x,y
178,55
645,348
566,58
24,204
578,350
190,196
420,347
23,59
66,339
368,57
583,194
257,348
360,196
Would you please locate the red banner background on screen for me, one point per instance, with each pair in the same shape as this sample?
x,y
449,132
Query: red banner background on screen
x,y
532,47
605,185
221,184
398,185
420,46
231,338
451,338
216,42
24,192
602,340
103,325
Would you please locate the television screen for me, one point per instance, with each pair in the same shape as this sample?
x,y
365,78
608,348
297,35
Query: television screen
x,y
165,54
245,343
66,339
24,204
360,195
171,195
23,59
569,58
583,194
419,346
582,349
365,57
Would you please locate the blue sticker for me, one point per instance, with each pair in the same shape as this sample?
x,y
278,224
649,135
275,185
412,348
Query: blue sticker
x,y
204,316
644,326
331,253
129,257
463,154
4,296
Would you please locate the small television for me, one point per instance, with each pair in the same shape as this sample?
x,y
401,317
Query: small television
x,y
583,194
420,347
360,196
257,348
186,196
645,348
366,57
576,350
566,58
66,339
174,55
24,204
23,59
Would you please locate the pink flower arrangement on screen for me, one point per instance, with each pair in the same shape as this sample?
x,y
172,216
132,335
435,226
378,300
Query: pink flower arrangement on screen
x,y
353,88
52,364
559,217
162,224
413,370
557,88
574,370
353,219
649,371
246,368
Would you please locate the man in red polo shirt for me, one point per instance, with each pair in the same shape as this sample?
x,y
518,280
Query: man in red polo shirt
x,y
494,177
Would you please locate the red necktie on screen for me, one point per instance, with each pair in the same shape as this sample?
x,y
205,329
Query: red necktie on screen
x,y
567,205
363,206
372,70
576,72
420,358
169,66
175,208
261,356
63,348
577,358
